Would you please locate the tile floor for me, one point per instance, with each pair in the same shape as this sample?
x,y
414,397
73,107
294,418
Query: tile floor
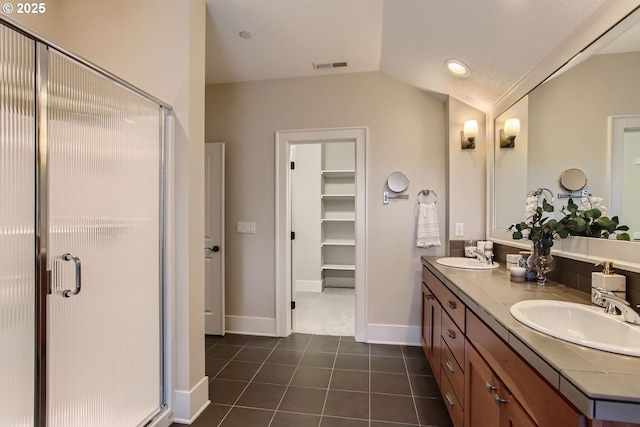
x,y
320,381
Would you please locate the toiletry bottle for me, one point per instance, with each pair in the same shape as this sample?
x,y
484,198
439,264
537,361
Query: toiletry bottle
x,y
608,280
529,275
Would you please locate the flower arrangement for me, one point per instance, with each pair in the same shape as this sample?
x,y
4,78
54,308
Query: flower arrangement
x,y
539,226
589,220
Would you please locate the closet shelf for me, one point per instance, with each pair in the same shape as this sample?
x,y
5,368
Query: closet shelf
x,y
338,242
338,220
338,173
342,267
338,196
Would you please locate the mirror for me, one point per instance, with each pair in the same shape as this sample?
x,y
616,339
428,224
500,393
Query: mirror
x,y
397,182
573,179
569,124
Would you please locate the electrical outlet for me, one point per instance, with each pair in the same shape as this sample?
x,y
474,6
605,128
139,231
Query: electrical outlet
x,y
459,229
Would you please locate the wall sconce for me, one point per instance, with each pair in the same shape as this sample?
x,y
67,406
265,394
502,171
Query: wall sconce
x,y
509,133
468,135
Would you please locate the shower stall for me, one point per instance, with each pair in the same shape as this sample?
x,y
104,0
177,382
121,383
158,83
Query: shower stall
x,y
81,242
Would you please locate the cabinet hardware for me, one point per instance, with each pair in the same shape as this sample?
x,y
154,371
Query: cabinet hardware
x,y
449,399
451,333
489,387
451,304
428,296
499,400
449,366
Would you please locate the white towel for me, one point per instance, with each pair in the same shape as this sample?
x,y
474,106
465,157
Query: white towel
x,y
428,233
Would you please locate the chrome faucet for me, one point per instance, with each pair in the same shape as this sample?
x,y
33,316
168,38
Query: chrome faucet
x,y
482,257
616,305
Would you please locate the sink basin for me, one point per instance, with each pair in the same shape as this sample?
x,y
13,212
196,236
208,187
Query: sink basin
x,y
582,324
468,263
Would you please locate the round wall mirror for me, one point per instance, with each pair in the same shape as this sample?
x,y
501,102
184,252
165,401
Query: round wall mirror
x,y
397,182
573,179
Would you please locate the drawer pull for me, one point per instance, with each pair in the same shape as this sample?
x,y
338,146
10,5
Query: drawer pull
x,y
489,387
450,399
499,400
449,366
451,333
451,304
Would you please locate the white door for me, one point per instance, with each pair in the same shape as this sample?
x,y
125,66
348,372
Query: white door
x,y
214,238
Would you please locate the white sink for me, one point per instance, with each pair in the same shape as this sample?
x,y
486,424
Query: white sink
x,y
468,263
582,324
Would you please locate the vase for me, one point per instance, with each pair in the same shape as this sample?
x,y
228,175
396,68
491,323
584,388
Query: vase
x,y
541,261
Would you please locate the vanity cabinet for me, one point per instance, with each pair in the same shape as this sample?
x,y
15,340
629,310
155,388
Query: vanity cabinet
x,y
482,380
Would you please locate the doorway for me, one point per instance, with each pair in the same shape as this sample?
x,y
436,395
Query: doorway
x,y
625,170
322,191
340,246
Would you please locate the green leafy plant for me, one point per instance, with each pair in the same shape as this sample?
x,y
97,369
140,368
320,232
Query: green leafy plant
x,y
539,224
590,220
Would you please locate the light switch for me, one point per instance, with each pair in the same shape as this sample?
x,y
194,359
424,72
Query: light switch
x,y
246,227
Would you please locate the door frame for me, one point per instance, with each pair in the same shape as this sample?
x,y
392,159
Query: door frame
x,y
283,141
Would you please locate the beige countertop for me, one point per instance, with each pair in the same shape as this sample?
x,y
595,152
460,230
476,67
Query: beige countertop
x,y
602,385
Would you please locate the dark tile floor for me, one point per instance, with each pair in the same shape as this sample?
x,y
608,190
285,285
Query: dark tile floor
x,y
318,381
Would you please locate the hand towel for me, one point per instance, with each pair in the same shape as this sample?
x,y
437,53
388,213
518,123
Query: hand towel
x,y
428,233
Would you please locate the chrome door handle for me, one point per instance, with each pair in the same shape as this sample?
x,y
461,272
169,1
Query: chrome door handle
x,y
68,292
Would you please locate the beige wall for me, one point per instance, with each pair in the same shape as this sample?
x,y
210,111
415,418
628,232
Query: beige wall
x,y
157,45
466,175
407,133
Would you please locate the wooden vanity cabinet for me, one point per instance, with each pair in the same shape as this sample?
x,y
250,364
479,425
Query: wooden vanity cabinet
x,y
482,380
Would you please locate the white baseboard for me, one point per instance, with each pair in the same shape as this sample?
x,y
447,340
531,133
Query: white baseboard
x,y
190,404
309,285
393,334
265,326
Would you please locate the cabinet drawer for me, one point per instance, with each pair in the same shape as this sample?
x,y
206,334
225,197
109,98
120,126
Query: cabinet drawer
x,y
450,303
451,401
454,338
454,373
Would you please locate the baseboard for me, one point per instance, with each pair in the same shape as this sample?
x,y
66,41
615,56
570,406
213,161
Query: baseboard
x,y
393,334
190,404
243,325
309,286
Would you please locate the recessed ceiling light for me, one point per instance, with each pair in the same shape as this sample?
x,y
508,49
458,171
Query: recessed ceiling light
x,y
457,67
245,34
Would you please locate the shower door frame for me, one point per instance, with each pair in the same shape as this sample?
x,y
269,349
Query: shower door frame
x,y
42,276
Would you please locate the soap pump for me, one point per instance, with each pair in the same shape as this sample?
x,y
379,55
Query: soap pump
x,y
608,280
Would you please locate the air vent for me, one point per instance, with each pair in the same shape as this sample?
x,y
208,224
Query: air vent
x,y
328,65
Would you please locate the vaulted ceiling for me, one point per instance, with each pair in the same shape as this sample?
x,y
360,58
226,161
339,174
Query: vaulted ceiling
x,y
500,40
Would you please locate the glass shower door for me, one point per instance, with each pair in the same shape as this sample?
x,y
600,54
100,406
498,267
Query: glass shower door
x,y
17,245
104,250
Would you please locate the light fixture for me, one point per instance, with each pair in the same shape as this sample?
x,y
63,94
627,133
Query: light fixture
x,y
509,133
468,135
457,67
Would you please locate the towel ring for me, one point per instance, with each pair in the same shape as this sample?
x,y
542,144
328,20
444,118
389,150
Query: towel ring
x,y
541,192
426,194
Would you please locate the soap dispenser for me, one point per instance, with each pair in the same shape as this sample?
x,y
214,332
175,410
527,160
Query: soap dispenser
x,y
608,280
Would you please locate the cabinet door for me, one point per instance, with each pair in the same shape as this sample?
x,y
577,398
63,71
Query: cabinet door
x,y
512,414
431,325
480,389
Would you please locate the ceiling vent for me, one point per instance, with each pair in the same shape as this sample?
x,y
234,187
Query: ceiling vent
x,y
328,65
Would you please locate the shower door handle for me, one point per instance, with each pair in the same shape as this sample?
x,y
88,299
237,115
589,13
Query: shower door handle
x,y
68,292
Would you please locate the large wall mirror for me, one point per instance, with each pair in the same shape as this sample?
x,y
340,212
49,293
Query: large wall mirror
x,y
585,116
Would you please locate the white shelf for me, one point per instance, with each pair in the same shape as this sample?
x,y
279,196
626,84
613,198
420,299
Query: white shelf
x,y
338,173
339,242
338,196
338,220
342,267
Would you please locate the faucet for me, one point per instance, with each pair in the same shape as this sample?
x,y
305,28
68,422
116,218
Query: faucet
x,y
616,305
482,257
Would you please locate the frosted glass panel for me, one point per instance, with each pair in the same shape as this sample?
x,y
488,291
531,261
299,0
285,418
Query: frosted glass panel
x,y
17,250
104,176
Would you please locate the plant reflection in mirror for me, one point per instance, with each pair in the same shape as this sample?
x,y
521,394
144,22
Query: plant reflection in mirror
x,y
539,224
589,220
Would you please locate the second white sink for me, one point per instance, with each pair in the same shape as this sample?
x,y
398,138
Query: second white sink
x,y
468,263
582,324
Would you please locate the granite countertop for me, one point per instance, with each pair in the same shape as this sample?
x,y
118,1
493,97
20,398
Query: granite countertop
x,y
602,385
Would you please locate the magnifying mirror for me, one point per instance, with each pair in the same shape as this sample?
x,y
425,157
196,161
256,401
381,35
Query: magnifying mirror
x,y
397,182
573,179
